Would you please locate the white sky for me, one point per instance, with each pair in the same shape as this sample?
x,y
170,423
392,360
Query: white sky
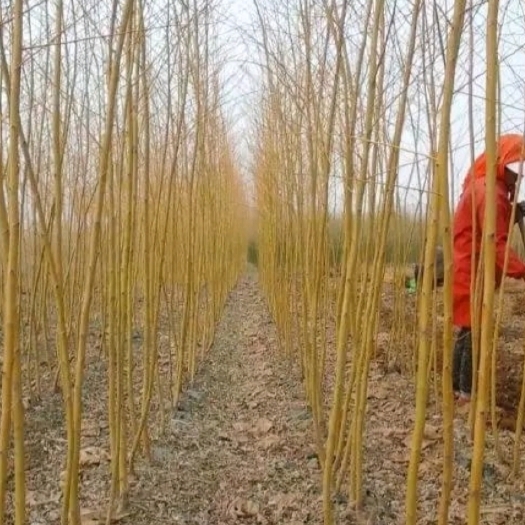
x,y
241,74
242,81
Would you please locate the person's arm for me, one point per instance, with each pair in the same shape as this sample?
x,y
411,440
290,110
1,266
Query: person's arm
x,y
515,267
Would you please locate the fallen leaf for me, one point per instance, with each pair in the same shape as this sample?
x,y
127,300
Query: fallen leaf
x,y
389,432
494,509
93,456
379,392
269,441
432,432
265,372
263,425
89,521
394,407
90,517
26,402
90,429
400,458
96,517
285,501
32,499
239,426
251,508
119,515
428,466
240,508
62,479
424,444
256,391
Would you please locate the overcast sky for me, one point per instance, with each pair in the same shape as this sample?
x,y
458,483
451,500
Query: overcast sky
x,y
238,33
242,80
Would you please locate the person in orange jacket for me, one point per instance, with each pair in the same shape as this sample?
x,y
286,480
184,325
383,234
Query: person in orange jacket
x,y
510,155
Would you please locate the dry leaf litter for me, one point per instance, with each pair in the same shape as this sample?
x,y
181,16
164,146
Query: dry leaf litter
x,y
240,449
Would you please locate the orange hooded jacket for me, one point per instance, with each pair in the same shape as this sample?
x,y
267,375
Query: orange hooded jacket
x,y
510,148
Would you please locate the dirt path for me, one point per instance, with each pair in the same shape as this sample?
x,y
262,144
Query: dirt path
x,y
240,448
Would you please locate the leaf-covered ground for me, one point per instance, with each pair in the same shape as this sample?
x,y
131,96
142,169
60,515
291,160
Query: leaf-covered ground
x,y
239,448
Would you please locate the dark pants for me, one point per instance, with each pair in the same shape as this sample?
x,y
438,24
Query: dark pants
x,y
462,363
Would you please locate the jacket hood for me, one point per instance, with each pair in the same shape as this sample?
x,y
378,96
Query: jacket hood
x,y
510,148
